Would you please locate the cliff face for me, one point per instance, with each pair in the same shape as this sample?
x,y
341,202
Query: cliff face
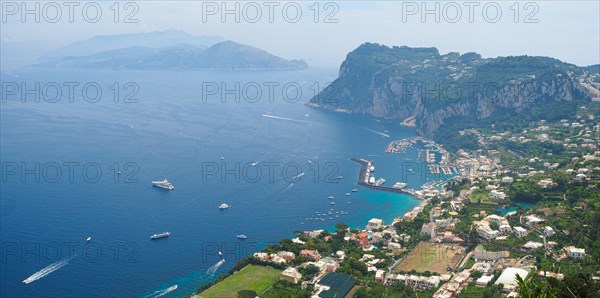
x,y
402,82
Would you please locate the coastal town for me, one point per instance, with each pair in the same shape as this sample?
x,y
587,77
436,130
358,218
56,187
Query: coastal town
x,y
505,221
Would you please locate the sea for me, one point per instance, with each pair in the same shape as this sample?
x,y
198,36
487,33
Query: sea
x,y
79,149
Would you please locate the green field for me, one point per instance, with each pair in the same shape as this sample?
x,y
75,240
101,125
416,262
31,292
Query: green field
x,y
252,277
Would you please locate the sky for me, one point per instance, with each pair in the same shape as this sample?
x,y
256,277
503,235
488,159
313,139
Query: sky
x,y
322,33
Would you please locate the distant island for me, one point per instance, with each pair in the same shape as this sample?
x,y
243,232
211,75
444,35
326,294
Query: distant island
x,y
165,50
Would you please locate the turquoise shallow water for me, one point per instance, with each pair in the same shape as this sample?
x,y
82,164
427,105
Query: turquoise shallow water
x,y
173,133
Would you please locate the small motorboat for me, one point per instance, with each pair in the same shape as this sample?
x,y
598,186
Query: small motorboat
x,y
241,237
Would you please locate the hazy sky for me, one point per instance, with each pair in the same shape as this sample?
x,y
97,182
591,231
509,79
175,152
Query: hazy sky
x,y
567,30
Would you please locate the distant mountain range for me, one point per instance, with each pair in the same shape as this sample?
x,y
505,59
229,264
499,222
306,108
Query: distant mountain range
x,y
165,50
439,94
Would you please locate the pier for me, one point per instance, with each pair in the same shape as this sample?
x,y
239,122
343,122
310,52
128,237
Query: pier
x,y
364,181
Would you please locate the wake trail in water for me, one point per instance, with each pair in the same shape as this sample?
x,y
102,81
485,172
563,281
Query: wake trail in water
x,y
211,271
297,176
284,118
289,186
162,292
190,137
377,132
49,269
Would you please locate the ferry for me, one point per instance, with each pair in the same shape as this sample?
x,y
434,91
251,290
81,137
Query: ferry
x,y
161,235
163,184
224,206
241,237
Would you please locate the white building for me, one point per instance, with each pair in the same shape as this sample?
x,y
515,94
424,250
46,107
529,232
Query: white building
x,y
574,252
532,219
497,195
508,278
548,231
373,224
520,232
487,233
507,179
291,274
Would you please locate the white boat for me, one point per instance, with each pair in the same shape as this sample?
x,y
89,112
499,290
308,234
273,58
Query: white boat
x,y
89,238
222,158
241,236
347,194
332,203
163,184
161,235
355,190
331,197
224,206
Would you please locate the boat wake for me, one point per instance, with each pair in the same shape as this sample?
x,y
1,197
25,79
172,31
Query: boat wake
x,y
162,292
377,132
284,118
49,269
211,271
297,176
190,137
289,186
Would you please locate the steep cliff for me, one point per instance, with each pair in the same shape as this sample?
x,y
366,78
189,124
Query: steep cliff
x,y
435,89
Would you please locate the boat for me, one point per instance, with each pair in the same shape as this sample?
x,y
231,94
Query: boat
x,y
163,184
224,206
89,238
241,236
340,177
220,254
355,190
222,158
332,203
331,197
309,162
347,194
161,235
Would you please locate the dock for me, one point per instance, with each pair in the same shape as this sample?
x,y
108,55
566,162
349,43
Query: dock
x,y
363,180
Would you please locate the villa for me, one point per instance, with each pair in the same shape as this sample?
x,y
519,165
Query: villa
x,y
291,274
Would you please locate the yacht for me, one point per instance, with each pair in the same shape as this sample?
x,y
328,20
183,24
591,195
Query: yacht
x,y
347,194
241,236
163,184
355,190
161,235
331,197
89,238
332,203
224,206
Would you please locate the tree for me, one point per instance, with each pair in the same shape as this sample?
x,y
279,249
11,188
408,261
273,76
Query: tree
x,y
341,226
533,289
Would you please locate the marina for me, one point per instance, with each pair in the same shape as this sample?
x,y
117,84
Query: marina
x,y
363,178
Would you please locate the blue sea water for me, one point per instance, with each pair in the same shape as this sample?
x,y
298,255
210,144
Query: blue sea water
x,y
175,133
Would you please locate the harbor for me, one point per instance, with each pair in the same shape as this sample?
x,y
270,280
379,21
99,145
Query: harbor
x,y
364,177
